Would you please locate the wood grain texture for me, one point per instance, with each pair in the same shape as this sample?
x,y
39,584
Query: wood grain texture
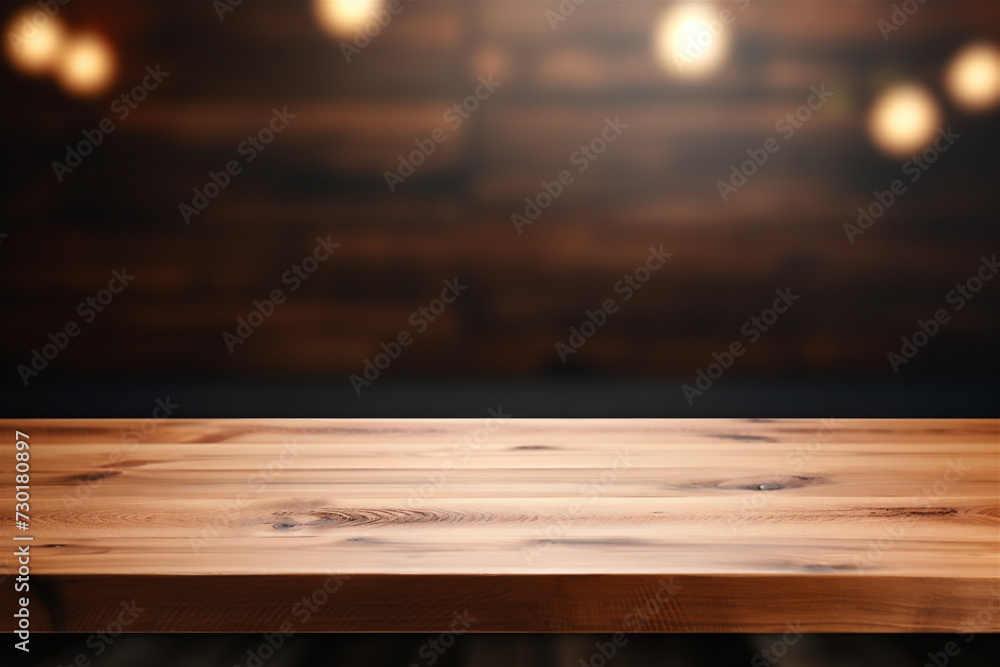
x,y
570,525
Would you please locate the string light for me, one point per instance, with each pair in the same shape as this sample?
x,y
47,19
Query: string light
x,y
86,65
33,41
904,119
973,77
691,41
341,17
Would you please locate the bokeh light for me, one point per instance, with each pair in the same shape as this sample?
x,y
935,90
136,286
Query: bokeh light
x,y
86,65
341,17
32,40
691,40
973,77
904,119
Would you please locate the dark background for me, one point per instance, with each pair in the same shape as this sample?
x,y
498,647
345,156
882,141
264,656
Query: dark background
x,y
549,650
657,185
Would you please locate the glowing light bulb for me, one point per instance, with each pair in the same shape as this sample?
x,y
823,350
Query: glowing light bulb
x,y
341,17
903,120
691,40
86,65
32,41
973,77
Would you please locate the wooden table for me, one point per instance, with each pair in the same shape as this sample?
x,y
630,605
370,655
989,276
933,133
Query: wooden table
x,y
506,524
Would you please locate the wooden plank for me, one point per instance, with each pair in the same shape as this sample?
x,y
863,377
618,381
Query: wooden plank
x,y
545,524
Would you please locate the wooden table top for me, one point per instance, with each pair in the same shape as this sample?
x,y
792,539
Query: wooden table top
x,y
531,524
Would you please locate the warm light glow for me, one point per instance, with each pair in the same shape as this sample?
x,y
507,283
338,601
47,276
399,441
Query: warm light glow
x,y
691,40
86,65
903,120
32,40
973,77
341,17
